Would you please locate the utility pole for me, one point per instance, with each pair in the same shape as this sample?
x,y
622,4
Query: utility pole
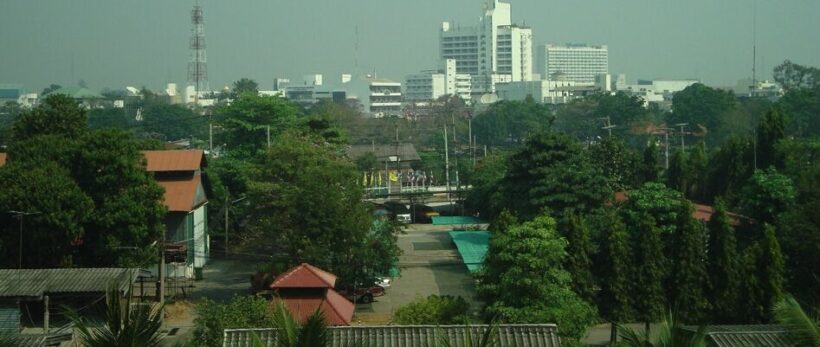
x,y
666,148
210,137
472,149
470,137
682,133
20,215
227,207
447,168
267,130
607,125
161,272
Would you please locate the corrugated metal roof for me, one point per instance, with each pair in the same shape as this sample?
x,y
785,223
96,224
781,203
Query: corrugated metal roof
x,y
181,194
520,335
405,151
36,282
457,220
746,335
174,160
305,276
336,309
472,245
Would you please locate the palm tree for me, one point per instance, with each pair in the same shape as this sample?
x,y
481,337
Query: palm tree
x,y
125,324
488,339
289,333
670,335
802,329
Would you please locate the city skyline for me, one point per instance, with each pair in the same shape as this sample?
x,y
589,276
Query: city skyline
x,y
114,44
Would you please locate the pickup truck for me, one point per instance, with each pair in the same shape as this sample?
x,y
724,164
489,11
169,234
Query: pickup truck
x,y
363,295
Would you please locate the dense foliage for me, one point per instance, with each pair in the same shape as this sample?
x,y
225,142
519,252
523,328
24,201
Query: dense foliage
x,y
434,310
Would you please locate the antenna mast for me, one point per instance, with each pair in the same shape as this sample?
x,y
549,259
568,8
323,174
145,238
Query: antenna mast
x,y
198,66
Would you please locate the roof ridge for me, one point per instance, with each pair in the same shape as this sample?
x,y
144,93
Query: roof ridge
x,y
314,270
333,307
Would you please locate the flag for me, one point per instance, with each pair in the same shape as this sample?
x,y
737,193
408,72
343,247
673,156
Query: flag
x,y
394,176
380,179
364,179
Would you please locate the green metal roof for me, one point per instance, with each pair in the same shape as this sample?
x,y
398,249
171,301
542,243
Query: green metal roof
x,y
77,93
456,220
36,282
520,335
472,245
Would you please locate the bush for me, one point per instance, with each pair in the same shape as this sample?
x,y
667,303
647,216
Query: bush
x,y
434,310
241,312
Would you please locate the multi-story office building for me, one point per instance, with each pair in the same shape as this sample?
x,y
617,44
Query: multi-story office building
x,y
385,98
496,50
430,85
577,62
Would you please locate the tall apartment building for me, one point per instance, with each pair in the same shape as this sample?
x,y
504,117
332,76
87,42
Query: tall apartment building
x,y
495,50
431,85
576,62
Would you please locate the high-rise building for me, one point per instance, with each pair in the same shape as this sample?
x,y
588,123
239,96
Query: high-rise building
x,y
575,62
431,85
496,50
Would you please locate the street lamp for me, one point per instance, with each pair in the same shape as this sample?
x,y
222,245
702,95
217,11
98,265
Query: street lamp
x,y
20,215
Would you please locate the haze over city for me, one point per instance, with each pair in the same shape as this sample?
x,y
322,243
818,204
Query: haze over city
x,y
117,43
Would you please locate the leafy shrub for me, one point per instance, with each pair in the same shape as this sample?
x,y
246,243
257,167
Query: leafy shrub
x,y
434,310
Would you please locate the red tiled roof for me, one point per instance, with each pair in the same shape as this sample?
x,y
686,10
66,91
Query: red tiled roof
x,y
180,194
2,159
305,276
336,309
174,160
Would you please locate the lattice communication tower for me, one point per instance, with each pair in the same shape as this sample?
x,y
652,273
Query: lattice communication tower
x,y
198,66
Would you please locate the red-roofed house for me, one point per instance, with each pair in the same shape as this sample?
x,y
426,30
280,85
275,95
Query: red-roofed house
x,y
306,288
701,212
179,172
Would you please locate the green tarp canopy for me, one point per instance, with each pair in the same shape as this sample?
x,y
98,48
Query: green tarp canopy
x,y
472,245
456,220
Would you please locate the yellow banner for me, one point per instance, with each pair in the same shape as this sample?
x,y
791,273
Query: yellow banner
x,y
394,176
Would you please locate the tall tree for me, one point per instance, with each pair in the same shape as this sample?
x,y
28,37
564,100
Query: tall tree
x,y
532,286
677,176
172,122
729,169
767,194
617,162
772,129
704,106
795,76
650,166
245,85
650,266
247,120
615,271
57,115
508,123
485,197
687,281
764,277
552,171
578,261
697,166
723,267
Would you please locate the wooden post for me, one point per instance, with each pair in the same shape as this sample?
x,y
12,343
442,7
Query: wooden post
x,y
45,314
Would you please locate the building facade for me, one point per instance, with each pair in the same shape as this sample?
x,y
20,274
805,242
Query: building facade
x,y
385,98
495,50
428,86
577,62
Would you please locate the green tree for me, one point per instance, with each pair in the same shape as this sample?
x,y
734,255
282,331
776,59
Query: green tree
x,y
59,211
687,280
772,129
241,312
650,166
8,114
698,166
172,122
108,118
532,286
730,167
723,267
245,85
615,271
579,253
656,200
767,194
433,310
650,266
671,334
793,76
57,115
763,286
508,123
52,87
800,106
552,171
617,162
803,330
677,176
126,324
704,106
306,207
485,178
247,120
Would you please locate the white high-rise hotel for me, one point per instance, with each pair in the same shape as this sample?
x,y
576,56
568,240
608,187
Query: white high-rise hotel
x,y
493,51
576,62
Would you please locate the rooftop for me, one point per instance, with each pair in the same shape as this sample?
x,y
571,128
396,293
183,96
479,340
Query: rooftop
x,y
36,282
304,276
174,160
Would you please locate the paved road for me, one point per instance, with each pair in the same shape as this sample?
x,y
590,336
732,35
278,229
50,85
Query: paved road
x,y
429,265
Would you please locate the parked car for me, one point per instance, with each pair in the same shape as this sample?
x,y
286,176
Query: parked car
x,y
363,294
398,211
423,213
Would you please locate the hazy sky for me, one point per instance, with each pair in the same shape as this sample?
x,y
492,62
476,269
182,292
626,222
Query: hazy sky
x,y
114,43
